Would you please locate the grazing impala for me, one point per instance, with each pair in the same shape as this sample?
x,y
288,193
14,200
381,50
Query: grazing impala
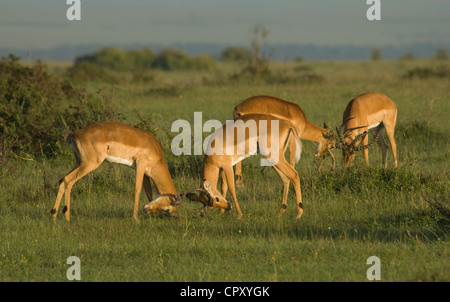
x,y
122,144
367,111
226,156
282,109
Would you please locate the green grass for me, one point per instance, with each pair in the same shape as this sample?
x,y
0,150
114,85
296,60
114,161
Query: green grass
x,y
399,215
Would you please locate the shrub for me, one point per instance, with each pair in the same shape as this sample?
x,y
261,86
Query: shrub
x,y
236,54
142,58
174,59
88,109
117,59
85,71
203,62
34,117
110,57
29,101
424,73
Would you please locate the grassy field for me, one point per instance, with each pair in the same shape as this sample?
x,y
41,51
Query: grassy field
x,y
399,215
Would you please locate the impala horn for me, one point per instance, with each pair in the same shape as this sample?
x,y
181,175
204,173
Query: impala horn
x,y
339,130
192,196
342,144
377,136
176,200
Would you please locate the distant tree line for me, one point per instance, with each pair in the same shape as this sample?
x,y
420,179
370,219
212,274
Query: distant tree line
x,y
169,59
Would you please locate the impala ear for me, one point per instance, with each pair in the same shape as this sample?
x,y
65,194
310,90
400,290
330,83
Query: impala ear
x,y
207,186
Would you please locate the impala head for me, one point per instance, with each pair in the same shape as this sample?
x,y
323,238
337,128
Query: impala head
x,y
328,144
208,196
163,204
350,149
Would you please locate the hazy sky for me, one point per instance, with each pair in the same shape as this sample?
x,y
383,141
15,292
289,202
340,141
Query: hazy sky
x,y
40,24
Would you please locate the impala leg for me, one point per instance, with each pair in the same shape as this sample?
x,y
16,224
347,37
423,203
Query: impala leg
x,y
71,179
224,187
290,172
292,147
61,190
55,208
333,161
286,183
390,134
147,187
140,169
239,180
230,181
365,142
384,149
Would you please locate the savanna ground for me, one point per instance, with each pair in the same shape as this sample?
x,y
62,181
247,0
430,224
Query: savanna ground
x,y
399,215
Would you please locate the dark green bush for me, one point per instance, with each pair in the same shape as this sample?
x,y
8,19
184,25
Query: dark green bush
x,y
174,59
139,62
117,59
88,109
85,71
424,73
29,102
203,62
34,114
142,58
110,57
236,54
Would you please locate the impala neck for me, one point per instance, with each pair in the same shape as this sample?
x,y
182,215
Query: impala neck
x,y
312,133
210,173
162,179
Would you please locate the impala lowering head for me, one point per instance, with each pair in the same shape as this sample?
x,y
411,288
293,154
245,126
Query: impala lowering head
x,y
208,196
331,141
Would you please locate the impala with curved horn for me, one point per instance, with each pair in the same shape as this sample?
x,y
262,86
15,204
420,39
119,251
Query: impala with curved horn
x,y
367,111
122,144
265,104
223,159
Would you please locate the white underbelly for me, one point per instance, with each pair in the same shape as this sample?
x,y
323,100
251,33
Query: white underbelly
x,y
118,160
373,126
241,158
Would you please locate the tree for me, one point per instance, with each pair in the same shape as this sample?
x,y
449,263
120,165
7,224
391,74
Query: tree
x,y
260,60
376,54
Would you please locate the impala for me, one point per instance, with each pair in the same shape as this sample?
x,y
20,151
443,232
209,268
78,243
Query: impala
x,y
264,104
224,160
121,144
368,111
